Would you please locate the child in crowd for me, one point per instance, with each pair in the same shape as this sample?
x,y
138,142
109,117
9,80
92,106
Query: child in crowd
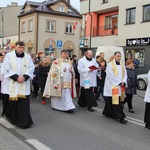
x,y
44,67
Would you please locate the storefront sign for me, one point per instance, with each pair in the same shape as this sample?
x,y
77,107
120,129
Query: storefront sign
x,y
138,42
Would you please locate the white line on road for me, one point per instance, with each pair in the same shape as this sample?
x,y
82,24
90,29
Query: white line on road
x,y
38,145
130,119
137,120
5,123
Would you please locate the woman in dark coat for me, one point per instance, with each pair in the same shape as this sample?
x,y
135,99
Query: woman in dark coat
x,y
131,84
43,73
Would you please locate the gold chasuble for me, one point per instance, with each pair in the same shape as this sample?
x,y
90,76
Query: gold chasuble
x,y
55,84
17,90
115,89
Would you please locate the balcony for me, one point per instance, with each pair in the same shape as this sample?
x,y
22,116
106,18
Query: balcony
x,y
104,31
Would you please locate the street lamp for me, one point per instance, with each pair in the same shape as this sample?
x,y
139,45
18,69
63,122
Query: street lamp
x,y
90,22
2,28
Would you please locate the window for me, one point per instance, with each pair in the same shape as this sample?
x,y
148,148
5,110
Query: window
x,y
61,8
136,53
130,16
109,20
105,1
51,26
24,26
30,26
69,27
146,13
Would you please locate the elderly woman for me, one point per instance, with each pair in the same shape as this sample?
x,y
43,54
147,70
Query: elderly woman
x,y
131,84
147,105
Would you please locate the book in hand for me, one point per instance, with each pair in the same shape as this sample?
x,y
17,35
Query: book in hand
x,y
93,67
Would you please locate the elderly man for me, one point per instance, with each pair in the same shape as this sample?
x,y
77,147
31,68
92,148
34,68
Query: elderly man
x,y
114,88
17,69
60,84
88,70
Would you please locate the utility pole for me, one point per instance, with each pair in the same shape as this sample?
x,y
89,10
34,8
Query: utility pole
x,y
2,28
90,23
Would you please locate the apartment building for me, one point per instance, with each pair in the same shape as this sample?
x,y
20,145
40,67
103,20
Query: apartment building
x,y
119,23
50,26
9,25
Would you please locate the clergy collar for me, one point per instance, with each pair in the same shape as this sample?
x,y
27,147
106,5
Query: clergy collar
x,y
117,62
20,55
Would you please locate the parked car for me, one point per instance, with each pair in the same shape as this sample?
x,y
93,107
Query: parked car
x,y
142,81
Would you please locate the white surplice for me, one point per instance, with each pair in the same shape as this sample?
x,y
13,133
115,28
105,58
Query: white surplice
x,y
83,68
64,102
147,93
114,80
7,71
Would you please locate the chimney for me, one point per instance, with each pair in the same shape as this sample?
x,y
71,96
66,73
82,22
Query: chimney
x,y
68,1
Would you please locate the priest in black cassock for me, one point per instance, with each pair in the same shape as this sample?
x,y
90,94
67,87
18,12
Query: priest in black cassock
x,y
114,88
17,70
88,80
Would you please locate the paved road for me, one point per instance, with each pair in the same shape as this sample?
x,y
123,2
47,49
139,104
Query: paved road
x,y
84,130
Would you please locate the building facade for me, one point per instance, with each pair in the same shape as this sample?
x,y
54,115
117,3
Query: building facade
x,y
50,26
119,23
9,25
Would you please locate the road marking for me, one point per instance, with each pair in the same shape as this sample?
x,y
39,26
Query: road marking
x,y
130,119
5,123
137,120
38,145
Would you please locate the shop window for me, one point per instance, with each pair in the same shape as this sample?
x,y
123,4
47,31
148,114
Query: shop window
x,y
130,18
146,13
30,50
47,51
136,53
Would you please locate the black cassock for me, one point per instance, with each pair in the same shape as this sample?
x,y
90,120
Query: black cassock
x,y
113,111
147,114
17,112
87,98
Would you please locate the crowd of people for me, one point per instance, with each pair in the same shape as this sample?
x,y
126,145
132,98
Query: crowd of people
x,y
38,76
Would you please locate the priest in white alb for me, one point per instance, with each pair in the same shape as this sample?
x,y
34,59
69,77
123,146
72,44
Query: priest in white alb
x,y
17,70
88,70
60,84
114,88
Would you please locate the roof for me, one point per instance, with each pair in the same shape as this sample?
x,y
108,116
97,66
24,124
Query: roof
x,y
44,7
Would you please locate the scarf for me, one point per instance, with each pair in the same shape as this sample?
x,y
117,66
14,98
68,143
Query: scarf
x,y
115,89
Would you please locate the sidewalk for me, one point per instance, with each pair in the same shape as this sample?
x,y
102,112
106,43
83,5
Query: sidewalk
x,y
8,141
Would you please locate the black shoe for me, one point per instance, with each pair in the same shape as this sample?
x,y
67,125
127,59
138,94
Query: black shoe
x,y
131,111
23,127
146,126
123,121
71,111
90,109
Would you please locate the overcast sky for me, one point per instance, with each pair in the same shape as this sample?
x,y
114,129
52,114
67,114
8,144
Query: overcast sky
x,y
4,3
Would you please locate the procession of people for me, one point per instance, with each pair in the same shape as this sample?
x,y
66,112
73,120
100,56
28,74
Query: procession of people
x,y
25,76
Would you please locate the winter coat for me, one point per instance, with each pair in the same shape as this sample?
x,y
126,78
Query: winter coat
x,y
43,73
35,75
131,81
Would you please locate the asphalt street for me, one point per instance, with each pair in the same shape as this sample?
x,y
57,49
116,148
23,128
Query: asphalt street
x,y
85,130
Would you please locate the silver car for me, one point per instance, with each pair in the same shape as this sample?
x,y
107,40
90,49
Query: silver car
x,y
142,81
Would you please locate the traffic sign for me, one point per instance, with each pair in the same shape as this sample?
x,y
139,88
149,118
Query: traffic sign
x,y
59,43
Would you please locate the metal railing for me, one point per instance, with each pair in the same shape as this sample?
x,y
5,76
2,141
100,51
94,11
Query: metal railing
x,y
104,31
